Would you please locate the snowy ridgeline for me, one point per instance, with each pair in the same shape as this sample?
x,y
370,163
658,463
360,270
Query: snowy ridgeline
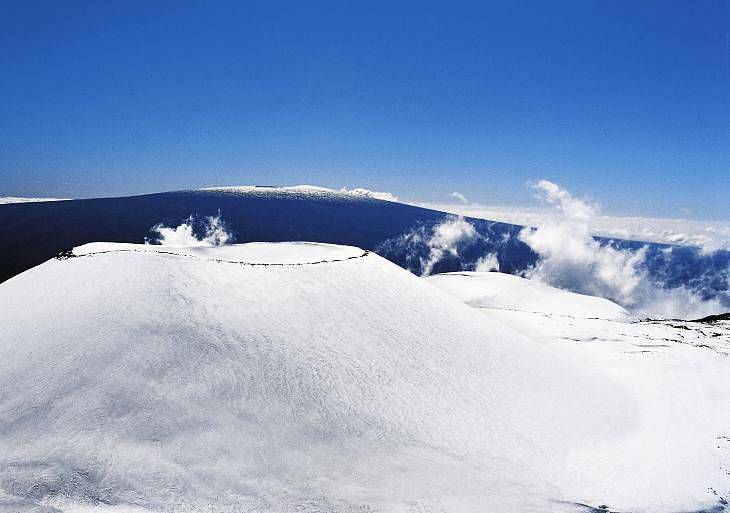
x,y
312,377
4,200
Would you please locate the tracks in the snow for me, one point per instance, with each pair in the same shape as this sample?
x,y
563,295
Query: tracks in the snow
x,y
65,255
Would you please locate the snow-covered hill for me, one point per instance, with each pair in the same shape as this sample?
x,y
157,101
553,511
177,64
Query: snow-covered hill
x,y
509,292
206,377
310,377
678,373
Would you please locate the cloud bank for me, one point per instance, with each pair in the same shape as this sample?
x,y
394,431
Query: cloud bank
x,y
707,235
561,251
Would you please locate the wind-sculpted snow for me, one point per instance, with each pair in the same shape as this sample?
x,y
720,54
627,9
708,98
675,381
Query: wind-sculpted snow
x,y
309,377
184,379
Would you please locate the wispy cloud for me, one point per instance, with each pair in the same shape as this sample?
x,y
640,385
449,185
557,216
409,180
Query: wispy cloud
x,y
460,197
564,201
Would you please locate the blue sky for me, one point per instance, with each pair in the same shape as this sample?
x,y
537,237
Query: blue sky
x,y
626,102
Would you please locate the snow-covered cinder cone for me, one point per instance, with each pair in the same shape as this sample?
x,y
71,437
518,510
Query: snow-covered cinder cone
x,y
675,454
508,292
279,377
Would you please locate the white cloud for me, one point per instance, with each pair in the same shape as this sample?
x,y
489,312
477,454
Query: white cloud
x,y
564,201
707,235
212,232
570,258
487,263
445,240
460,197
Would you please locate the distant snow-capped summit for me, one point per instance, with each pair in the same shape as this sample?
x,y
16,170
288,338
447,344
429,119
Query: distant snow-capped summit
x,y
305,189
13,199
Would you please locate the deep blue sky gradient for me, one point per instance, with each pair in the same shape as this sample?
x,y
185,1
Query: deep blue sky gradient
x,y
627,102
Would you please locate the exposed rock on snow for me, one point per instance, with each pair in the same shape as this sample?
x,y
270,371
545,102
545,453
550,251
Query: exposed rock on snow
x,y
715,318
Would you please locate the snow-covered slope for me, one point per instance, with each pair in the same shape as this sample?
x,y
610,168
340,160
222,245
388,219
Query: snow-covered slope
x,y
305,190
173,378
509,292
4,200
678,373
310,377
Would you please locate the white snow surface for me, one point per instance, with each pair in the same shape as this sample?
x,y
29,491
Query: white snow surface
x,y
509,292
253,253
153,378
308,190
4,200
678,374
